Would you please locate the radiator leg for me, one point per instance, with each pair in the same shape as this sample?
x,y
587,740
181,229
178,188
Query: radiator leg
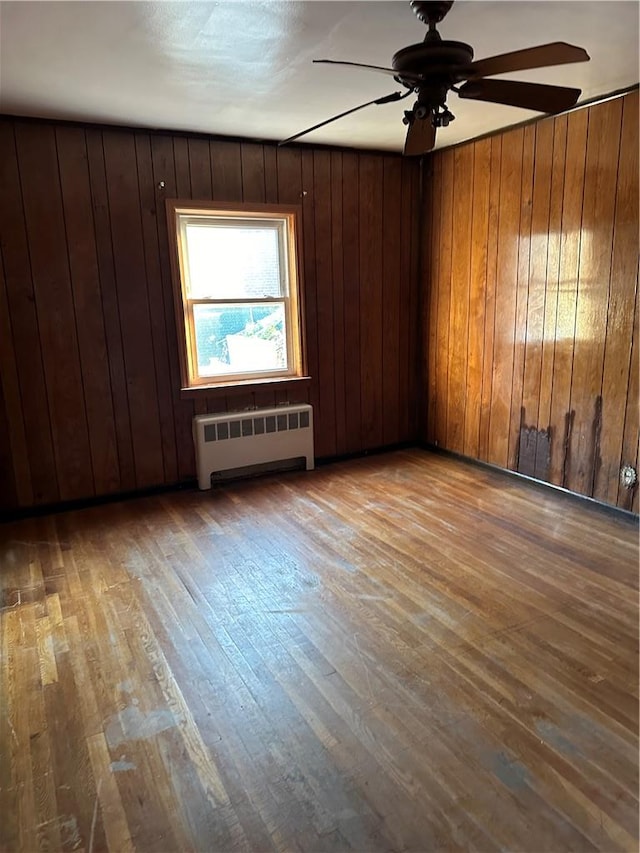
x,y
310,463
204,481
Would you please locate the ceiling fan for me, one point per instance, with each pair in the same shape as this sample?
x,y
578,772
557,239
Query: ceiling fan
x,y
434,67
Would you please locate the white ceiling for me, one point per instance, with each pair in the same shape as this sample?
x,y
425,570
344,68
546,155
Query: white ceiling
x,y
241,68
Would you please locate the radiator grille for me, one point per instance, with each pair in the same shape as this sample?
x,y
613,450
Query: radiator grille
x,y
232,440
244,427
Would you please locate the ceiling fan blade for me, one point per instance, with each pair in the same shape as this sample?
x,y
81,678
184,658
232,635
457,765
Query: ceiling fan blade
x,y
421,137
530,96
386,99
555,53
407,75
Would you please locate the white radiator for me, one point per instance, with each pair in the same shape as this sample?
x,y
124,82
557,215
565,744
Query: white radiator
x,y
238,439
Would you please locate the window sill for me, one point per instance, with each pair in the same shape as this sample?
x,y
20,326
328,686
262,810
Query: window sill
x,y
223,389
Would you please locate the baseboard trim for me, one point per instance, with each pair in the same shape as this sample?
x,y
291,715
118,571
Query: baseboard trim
x,y
533,481
20,513
361,454
96,500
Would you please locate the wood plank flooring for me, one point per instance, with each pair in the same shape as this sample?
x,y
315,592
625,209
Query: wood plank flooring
x,y
402,652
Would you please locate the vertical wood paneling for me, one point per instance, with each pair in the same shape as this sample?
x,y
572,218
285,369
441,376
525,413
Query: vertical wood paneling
x,y
432,262
628,497
8,493
326,441
164,171
616,375
183,167
253,186
506,289
159,331
459,308
558,291
598,212
445,218
561,417
133,303
22,319
477,296
289,166
351,290
89,369
409,257
44,218
310,275
85,282
371,195
543,463
110,308
490,308
391,248
199,168
537,290
16,465
340,348
411,301
522,294
226,167
270,174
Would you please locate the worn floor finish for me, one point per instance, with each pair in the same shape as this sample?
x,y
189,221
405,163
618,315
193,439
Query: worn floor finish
x,y
397,653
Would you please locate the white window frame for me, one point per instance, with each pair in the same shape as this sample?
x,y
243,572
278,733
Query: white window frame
x,y
182,213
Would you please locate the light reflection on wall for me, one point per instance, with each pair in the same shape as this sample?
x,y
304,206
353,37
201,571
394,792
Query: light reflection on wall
x,y
560,278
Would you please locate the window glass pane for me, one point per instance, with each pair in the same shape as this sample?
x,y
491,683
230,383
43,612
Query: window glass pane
x,y
247,338
233,262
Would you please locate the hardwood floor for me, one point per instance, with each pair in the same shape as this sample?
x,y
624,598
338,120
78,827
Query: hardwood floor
x,y
402,652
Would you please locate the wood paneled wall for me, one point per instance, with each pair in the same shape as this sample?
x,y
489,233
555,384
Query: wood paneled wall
x,y
89,391
530,335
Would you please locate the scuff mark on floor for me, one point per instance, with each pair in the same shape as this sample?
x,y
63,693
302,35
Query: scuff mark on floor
x,y
552,735
94,819
121,766
510,772
133,724
69,833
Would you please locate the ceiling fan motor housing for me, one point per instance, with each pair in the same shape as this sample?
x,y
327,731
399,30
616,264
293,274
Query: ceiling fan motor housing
x,y
446,59
442,64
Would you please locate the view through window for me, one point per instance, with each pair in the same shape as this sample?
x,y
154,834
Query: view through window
x,y
238,293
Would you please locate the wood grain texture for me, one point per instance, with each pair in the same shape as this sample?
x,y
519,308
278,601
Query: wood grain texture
x,y
516,422
339,660
16,471
371,299
543,465
618,344
490,307
598,212
75,187
133,305
8,495
89,364
110,308
458,356
477,299
54,300
551,379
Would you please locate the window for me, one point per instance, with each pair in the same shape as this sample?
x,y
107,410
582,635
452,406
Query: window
x,y
236,287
